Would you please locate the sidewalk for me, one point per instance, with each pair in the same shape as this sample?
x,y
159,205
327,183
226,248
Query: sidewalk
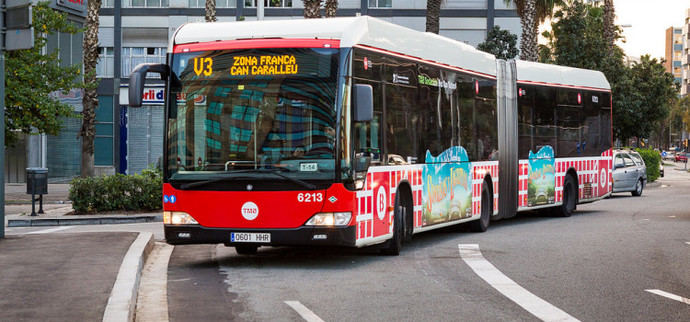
x,y
58,210
67,277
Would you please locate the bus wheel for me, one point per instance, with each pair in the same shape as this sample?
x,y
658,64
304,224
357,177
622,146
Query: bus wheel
x,y
480,226
246,249
569,197
394,245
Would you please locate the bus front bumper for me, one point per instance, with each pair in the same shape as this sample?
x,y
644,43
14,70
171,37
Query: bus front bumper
x,y
301,236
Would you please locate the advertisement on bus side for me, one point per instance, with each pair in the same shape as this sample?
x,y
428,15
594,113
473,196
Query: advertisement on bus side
x,y
447,190
541,182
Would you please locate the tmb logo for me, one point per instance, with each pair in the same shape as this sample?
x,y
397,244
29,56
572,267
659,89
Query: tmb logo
x,y
250,210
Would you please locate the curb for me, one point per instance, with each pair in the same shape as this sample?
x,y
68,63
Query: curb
x,y
83,221
122,302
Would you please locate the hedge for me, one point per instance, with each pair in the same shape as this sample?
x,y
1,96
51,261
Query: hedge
x,y
651,160
117,192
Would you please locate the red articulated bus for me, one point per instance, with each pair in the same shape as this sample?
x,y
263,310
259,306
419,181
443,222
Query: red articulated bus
x,y
358,132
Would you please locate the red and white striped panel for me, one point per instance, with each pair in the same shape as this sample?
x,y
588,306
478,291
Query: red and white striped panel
x,y
595,171
523,175
375,202
479,171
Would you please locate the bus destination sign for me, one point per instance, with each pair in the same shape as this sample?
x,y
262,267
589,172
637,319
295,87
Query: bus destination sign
x,y
268,65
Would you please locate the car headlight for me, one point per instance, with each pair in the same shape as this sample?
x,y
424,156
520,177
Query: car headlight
x,y
330,219
178,218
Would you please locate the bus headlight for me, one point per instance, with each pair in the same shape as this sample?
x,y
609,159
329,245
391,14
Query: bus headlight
x,y
330,219
178,218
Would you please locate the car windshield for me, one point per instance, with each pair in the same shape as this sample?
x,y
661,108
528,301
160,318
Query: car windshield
x,y
252,109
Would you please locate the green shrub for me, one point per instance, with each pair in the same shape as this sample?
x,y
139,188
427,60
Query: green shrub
x,y
651,160
117,192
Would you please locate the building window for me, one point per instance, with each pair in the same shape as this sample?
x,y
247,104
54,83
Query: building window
x,y
107,4
219,3
133,56
106,61
144,3
269,3
103,142
380,3
677,31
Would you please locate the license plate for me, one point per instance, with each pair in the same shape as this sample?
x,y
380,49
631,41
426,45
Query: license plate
x,y
250,237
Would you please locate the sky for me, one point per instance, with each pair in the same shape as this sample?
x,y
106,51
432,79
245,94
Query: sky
x,y
649,20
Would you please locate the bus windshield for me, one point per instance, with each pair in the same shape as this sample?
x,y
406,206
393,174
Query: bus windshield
x,y
252,109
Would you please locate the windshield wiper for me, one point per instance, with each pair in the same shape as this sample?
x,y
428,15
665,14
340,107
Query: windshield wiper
x,y
275,171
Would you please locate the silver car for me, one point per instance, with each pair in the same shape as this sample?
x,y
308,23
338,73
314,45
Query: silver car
x,y
629,172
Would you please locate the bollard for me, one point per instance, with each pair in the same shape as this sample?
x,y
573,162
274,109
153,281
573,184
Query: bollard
x,y
36,184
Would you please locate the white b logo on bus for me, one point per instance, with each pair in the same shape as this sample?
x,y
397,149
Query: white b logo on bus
x,y
250,210
381,203
602,178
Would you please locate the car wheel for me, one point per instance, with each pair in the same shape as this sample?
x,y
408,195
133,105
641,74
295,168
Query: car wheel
x,y
246,249
569,197
393,246
638,188
480,226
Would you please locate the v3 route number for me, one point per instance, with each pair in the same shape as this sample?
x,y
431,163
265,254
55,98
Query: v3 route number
x,y
310,197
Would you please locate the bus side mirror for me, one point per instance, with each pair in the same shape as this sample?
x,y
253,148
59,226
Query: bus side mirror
x,y
138,78
363,102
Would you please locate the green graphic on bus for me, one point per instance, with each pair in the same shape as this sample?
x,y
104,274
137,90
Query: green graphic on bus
x,y
447,190
541,182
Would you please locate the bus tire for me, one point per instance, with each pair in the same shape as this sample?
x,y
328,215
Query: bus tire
x,y
569,197
246,249
393,246
481,225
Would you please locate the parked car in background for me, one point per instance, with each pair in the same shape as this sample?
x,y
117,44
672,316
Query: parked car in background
x,y
629,172
668,155
681,157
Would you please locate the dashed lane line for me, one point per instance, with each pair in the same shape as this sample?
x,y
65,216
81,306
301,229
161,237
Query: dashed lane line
x,y
51,230
670,296
687,243
304,312
543,310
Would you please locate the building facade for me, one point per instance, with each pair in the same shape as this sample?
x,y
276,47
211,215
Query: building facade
x,y
674,52
685,56
138,31
60,154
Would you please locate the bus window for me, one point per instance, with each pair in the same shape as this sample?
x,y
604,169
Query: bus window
x,y
525,123
368,134
544,125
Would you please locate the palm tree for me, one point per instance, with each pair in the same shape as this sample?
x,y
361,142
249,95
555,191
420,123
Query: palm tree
x,y
331,7
90,99
312,9
532,13
609,26
433,11
211,10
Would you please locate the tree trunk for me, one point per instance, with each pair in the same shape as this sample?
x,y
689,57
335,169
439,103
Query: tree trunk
x,y
211,10
609,26
312,9
331,6
433,11
90,100
530,30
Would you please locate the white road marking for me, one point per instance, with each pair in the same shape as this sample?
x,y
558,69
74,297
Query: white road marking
x,y
303,311
51,230
671,216
687,243
670,296
543,310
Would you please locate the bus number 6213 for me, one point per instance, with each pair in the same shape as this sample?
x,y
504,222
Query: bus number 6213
x,y
310,197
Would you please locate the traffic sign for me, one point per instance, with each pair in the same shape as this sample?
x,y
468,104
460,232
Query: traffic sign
x,y
19,34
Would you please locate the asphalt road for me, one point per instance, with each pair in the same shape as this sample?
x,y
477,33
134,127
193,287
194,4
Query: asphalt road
x,y
594,266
